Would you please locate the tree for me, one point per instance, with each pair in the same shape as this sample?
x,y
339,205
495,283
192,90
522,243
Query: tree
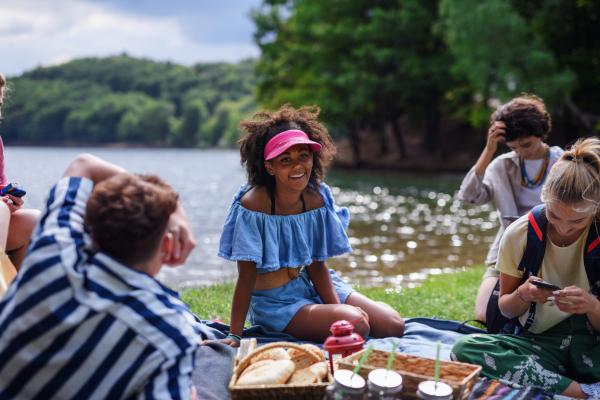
x,y
500,56
101,100
361,61
185,135
570,28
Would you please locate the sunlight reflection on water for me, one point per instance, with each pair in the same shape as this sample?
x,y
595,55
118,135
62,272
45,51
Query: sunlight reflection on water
x,y
402,227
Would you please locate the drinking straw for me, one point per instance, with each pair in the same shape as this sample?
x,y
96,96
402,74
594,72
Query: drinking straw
x,y
391,359
437,364
362,360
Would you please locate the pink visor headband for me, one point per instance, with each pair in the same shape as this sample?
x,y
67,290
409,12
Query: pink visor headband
x,y
283,141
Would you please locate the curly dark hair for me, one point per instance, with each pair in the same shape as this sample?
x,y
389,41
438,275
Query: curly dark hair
x,y
264,125
524,116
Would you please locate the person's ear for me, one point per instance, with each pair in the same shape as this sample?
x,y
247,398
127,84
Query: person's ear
x,y
269,167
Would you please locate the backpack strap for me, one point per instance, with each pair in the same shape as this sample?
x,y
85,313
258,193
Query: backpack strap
x,y
591,258
536,242
534,255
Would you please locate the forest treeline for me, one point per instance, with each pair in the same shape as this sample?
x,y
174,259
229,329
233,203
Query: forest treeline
x,y
370,64
373,66
124,99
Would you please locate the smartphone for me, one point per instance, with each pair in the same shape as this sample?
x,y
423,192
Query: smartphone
x,y
13,189
545,285
510,217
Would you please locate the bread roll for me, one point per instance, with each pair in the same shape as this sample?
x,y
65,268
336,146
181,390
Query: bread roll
x,y
274,373
302,361
320,369
303,377
256,365
295,352
272,354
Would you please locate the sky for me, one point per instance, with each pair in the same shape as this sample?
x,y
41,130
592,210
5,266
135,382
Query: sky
x,y
51,32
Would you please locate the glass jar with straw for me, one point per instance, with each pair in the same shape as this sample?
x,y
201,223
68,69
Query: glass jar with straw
x,y
434,390
347,385
383,384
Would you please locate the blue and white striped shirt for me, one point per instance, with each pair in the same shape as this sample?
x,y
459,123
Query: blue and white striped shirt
x,y
77,324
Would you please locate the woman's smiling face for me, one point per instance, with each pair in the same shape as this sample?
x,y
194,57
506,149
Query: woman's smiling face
x,y
567,222
292,168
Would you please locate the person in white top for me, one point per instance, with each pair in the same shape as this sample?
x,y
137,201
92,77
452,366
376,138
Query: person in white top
x,y
513,180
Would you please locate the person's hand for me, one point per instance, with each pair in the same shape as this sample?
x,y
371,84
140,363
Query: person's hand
x,y
183,238
530,292
13,203
228,341
364,314
496,133
575,300
193,393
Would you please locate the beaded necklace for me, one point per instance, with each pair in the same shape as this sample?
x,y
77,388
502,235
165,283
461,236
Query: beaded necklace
x,y
541,175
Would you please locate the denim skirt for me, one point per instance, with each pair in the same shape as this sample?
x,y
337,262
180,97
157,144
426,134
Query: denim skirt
x,y
274,309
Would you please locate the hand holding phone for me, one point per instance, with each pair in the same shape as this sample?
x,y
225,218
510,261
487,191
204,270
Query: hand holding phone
x,y
545,285
14,189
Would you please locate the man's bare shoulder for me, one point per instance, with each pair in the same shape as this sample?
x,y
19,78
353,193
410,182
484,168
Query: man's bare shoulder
x,y
257,199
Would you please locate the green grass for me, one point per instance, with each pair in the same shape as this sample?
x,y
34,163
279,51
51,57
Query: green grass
x,y
447,296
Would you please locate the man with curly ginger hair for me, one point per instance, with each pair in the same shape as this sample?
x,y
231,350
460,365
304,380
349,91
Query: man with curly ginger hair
x,y
85,317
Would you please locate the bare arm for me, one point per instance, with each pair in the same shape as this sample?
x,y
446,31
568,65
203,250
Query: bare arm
x,y
91,167
495,134
318,272
242,295
510,304
4,222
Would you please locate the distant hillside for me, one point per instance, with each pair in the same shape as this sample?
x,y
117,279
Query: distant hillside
x,y
124,99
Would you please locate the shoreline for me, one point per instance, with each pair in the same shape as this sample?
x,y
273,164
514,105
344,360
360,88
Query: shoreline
x,y
447,296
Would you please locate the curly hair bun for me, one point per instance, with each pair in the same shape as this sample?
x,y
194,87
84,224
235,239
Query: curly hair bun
x,y
264,125
524,116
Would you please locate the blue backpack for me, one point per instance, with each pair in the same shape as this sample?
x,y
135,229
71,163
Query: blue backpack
x,y
530,265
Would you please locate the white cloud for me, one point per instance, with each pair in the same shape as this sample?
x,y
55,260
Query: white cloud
x,y
40,32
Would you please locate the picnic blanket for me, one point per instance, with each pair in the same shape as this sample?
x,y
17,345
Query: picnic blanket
x,y
420,336
491,389
214,361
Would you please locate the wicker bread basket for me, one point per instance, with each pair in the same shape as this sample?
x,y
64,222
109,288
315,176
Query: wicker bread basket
x,y
275,392
414,370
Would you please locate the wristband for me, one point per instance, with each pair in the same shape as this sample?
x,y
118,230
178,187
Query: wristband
x,y
519,294
236,337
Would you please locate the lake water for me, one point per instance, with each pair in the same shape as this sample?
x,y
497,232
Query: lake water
x,y
402,227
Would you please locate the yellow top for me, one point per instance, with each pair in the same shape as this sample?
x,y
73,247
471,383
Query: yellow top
x,y
7,273
562,266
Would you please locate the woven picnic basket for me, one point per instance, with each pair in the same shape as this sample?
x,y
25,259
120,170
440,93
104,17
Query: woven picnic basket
x,y
414,370
275,392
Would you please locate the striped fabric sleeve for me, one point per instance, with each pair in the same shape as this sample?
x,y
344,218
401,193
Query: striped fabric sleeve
x,y
172,380
65,209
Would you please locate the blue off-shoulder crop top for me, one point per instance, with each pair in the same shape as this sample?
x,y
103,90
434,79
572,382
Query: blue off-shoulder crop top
x,y
276,241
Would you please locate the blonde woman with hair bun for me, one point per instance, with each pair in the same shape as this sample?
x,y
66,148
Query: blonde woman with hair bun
x,y
560,351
